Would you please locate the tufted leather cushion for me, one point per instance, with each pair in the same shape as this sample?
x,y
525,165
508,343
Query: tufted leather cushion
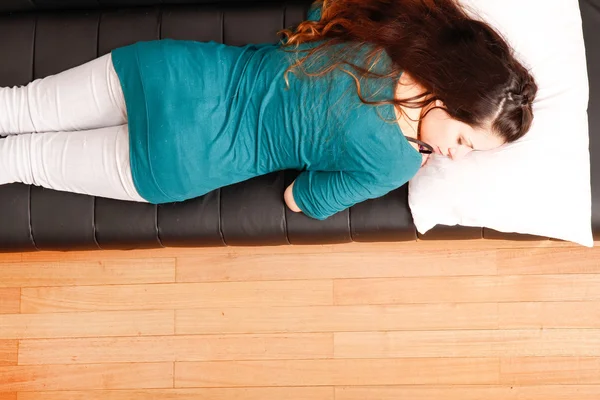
x,y
49,36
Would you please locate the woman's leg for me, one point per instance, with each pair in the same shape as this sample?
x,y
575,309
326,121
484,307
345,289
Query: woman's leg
x,y
85,97
93,162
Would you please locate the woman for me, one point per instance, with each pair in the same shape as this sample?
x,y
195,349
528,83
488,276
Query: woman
x,y
170,120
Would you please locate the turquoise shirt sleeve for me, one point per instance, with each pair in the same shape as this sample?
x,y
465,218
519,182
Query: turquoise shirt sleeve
x,y
320,194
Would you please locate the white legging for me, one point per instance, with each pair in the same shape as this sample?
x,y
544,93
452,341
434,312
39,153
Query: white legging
x,y
68,132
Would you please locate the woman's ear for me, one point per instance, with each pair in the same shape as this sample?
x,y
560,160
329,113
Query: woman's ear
x,y
436,103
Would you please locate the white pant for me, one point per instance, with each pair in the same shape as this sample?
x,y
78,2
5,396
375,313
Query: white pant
x,y
68,132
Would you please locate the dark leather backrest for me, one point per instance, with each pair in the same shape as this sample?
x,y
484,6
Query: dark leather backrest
x,y
32,5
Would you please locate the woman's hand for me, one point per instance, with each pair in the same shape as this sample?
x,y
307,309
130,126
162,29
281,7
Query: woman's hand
x,y
288,197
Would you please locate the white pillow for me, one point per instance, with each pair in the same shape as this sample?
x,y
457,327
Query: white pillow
x,y
540,184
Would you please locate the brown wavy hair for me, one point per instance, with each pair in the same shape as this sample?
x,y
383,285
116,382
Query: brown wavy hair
x,y
457,59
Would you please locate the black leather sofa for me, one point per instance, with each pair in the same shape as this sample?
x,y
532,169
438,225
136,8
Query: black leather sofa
x,y
43,37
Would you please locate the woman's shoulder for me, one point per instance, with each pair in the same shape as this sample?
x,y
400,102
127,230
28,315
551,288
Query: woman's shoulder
x,y
376,144
314,11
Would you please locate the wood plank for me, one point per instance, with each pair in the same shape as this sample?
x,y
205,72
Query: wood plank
x,y
265,267
553,392
9,350
563,260
86,377
550,371
88,272
11,257
8,396
337,318
337,372
179,295
549,315
288,393
10,300
94,324
468,289
469,343
377,247
176,348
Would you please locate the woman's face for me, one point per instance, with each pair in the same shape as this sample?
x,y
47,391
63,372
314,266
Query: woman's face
x,y
453,138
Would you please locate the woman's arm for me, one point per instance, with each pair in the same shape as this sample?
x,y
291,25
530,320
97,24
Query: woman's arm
x,y
320,194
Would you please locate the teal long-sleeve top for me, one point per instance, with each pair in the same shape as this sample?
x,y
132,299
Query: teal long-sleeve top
x,y
203,115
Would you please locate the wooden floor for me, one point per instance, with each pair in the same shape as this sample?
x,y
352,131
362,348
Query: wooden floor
x,y
468,320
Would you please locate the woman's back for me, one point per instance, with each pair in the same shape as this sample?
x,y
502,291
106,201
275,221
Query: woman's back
x,y
204,115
